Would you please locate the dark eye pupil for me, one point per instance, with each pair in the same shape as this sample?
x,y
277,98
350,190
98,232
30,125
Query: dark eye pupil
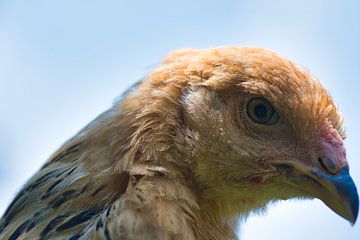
x,y
261,111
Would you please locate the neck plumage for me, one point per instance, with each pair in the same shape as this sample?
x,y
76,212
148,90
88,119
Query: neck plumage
x,y
143,141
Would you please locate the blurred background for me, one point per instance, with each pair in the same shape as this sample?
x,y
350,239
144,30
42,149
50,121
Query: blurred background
x,y
63,62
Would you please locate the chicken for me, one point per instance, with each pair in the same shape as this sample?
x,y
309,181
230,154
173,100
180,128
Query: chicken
x,y
209,136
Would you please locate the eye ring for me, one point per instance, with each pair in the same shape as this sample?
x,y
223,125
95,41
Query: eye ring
x,y
262,112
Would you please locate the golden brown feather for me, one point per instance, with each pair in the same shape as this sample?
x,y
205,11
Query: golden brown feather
x,y
180,157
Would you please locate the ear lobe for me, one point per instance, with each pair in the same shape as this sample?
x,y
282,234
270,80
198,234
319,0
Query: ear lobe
x,y
199,98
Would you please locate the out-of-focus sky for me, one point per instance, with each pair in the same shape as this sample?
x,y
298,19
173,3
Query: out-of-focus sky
x,y
63,62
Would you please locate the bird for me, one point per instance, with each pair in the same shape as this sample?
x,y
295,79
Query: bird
x,y
207,137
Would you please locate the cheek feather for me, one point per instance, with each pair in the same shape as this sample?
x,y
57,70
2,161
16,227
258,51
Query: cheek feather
x,y
256,180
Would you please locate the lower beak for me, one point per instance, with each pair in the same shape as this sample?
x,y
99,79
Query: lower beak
x,y
338,191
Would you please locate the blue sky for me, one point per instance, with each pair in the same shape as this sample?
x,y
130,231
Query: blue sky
x,y
63,62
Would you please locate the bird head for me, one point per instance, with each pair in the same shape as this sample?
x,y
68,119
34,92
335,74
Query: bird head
x,y
259,128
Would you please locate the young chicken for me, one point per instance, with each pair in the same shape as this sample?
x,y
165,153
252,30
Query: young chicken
x,y
209,136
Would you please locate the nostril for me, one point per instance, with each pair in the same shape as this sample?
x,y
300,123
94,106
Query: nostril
x,y
327,165
322,163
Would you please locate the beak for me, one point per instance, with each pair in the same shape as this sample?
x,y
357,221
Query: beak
x,y
338,191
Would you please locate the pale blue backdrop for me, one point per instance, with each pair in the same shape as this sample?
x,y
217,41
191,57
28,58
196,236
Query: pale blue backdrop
x,y
63,62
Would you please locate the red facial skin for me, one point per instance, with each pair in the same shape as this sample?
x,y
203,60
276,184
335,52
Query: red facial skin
x,y
333,149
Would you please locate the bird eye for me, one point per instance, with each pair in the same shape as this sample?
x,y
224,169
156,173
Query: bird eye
x,y
260,111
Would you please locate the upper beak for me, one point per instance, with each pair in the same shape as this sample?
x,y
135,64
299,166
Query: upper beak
x,y
337,191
